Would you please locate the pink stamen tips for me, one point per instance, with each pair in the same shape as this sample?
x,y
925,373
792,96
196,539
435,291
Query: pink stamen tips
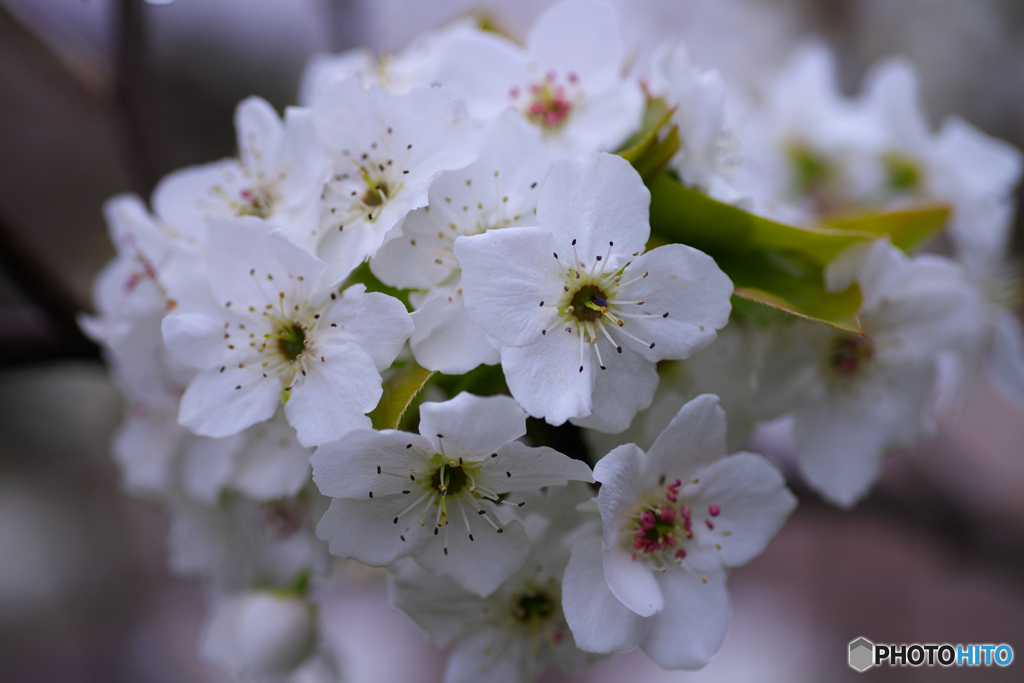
x,y
710,524
514,92
714,510
534,89
680,554
558,637
673,491
246,194
573,78
667,513
551,75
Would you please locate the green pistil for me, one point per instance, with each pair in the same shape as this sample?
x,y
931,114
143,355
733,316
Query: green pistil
x,y
589,303
376,191
811,171
533,609
455,479
903,172
292,341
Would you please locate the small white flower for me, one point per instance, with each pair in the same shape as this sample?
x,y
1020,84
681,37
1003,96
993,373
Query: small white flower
x,y
499,189
856,397
271,334
385,152
674,520
518,632
567,82
436,496
582,316
277,176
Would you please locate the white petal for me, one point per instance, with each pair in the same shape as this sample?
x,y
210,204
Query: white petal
x,y
488,656
144,448
220,404
506,274
630,581
621,391
687,285
194,339
482,68
581,37
273,464
472,426
187,200
259,132
446,339
334,395
436,604
692,627
519,467
841,439
479,565
601,123
546,380
598,621
364,530
348,468
694,439
208,464
595,199
753,501
377,323
791,372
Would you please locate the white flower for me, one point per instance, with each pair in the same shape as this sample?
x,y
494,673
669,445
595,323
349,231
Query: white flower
x,y
397,73
582,316
519,631
436,496
271,334
259,633
958,164
499,189
699,100
725,369
567,81
277,176
856,397
674,520
385,152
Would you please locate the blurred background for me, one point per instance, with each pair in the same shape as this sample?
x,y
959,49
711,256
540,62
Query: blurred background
x,y
99,97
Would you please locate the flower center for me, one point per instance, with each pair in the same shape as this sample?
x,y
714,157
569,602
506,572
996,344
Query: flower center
x,y
812,172
533,609
376,192
449,480
849,354
549,104
904,175
256,201
589,303
292,341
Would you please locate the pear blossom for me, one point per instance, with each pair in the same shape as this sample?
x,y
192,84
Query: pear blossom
x,y
499,189
385,151
581,315
958,164
699,99
277,176
398,73
567,82
674,520
856,397
271,334
439,496
517,632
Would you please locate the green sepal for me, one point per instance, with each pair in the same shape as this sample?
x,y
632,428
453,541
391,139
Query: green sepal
x,y
364,276
654,145
400,392
908,227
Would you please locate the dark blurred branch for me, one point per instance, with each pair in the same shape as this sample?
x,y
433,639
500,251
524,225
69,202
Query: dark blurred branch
x,y
135,92
55,334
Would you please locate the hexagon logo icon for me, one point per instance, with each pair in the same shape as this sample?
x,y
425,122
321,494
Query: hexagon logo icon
x,y
862,654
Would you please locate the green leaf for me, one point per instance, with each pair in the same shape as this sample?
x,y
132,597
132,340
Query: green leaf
x,y
686,215
483,380
907,227
400,392
363,275
650,148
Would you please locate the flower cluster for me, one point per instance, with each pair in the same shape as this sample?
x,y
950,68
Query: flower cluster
x,y
559,237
